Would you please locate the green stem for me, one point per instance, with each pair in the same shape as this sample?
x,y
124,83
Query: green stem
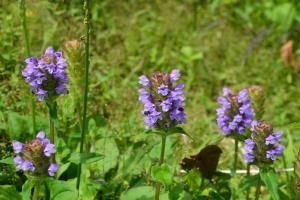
x,y
26,37
257,193
36,193
161,161
52,130
236,148
86,81
248,174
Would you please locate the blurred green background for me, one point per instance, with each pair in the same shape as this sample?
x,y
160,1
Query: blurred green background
x,y
215,43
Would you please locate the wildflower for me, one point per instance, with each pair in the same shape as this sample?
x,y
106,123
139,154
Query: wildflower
x,y
263,147
33,157
235,114
163,101
47,74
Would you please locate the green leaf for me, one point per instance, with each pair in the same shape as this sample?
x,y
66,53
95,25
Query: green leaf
x,y
193,178
9,161
270,179
85,158
179,193
26,190
162,174
246,183
61,190
142,193
9,192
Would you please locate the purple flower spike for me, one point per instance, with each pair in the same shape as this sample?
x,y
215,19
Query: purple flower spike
x,y
52,169
163,101
17,146
49,149
41,135
27,166
235,114
47,74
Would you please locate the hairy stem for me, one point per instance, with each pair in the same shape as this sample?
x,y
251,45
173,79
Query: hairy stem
x,y
36,193
86,81
161,161
257,193
248,174
236,149
52,114
26,37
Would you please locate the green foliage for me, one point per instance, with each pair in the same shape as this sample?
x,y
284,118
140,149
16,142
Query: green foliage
x,y
9,191
162,174
129,38
270,179
84,158
60,190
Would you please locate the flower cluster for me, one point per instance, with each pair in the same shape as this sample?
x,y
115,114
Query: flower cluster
x,y
47,74
34,156
163,101
263,145
235,113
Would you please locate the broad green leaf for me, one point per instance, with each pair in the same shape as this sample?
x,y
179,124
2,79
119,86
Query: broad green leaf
x,y
61,190
162,174
193,178
9,192
26,190
246,183
179,193
270,179
9,161
62,168
85,158
62,149
88,188
108,148
142,193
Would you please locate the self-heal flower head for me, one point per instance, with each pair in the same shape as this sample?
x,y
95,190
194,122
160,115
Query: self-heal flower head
x,y
263,147
52,169
35,156
47,74
235,113
163,100
17,146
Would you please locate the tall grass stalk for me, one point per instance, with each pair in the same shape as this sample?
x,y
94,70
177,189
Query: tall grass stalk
x,y
161,161
26,37
86,23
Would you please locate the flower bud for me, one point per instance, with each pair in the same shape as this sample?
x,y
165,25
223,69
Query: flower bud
x,y
74,52
163,101
263,147
257,96
34,158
